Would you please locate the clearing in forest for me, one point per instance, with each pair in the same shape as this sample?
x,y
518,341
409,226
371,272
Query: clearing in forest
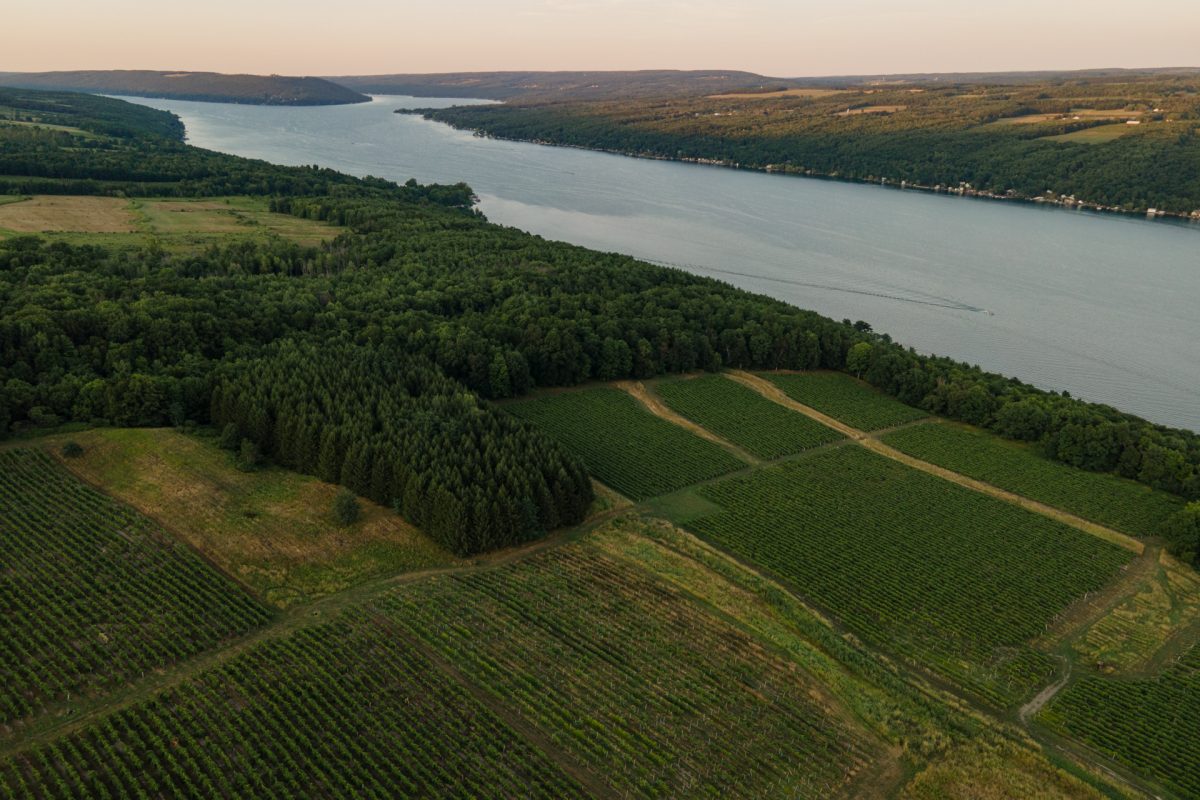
x,y
68,214
270,528
953,578
845,399
743,416
95,595
1107,499
624,445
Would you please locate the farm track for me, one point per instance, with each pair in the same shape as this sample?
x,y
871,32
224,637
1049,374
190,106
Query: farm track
x,y
659,409
873,443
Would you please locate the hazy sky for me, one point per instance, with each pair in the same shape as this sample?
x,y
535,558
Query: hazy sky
x,y
774,37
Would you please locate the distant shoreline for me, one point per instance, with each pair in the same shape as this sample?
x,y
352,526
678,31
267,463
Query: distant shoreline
x,y
963,190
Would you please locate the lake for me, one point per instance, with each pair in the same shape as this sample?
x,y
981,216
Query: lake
x,y
1103,306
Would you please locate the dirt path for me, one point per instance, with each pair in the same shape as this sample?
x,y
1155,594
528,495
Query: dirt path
x,y
659,409
1093,606
1030,709
772,392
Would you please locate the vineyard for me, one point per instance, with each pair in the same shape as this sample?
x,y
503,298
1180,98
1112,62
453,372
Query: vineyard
x,y
345,709
846,399
623,444
93,594
1149,725
743,416
634,680
1127,506
948,576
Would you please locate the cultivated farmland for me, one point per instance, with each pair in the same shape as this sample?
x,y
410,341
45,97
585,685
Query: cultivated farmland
x,y
953,578
1127,506
845,399
634,680
346,709
743,416
1149,724
93,594
623,444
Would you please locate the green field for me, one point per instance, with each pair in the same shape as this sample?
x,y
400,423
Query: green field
x,y
1150,725
346,709
93,594
743,416
845,399
623,444
953,578
1096,135
1127,506
634,680
271,528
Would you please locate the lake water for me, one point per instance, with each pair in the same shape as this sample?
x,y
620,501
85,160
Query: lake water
x,y
1106,307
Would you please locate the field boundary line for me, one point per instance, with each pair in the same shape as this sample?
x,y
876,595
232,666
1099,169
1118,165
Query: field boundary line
x,y
67,717
870,442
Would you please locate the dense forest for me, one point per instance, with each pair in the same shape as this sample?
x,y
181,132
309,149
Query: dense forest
x,y
212,87
395,429
257,333
1128,143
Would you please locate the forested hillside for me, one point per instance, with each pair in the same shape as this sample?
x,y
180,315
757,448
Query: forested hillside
x,y
141,336
1124,142
213,87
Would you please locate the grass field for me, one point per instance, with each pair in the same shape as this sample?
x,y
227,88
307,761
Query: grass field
x,y
953,578
175,224
845,399
743,416
634,680
271,528
68,214
1149,725
1097,135
996,771
623,444
1125,505
94,595
347,709
1149,626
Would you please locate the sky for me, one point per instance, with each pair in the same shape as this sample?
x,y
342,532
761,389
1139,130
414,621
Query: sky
x,y
772,37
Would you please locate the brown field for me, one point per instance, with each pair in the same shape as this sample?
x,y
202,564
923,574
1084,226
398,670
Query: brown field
x,y
778,94
271,529
70,214
1077,113
180,224
851,112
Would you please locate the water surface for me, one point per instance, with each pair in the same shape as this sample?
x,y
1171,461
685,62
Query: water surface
x,y
1106,307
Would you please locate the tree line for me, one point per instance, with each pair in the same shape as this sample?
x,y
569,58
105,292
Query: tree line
x,y
140,336
394,428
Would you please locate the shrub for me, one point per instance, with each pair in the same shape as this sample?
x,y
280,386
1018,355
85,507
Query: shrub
x,y
249,456
230,438
345,507
72,449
